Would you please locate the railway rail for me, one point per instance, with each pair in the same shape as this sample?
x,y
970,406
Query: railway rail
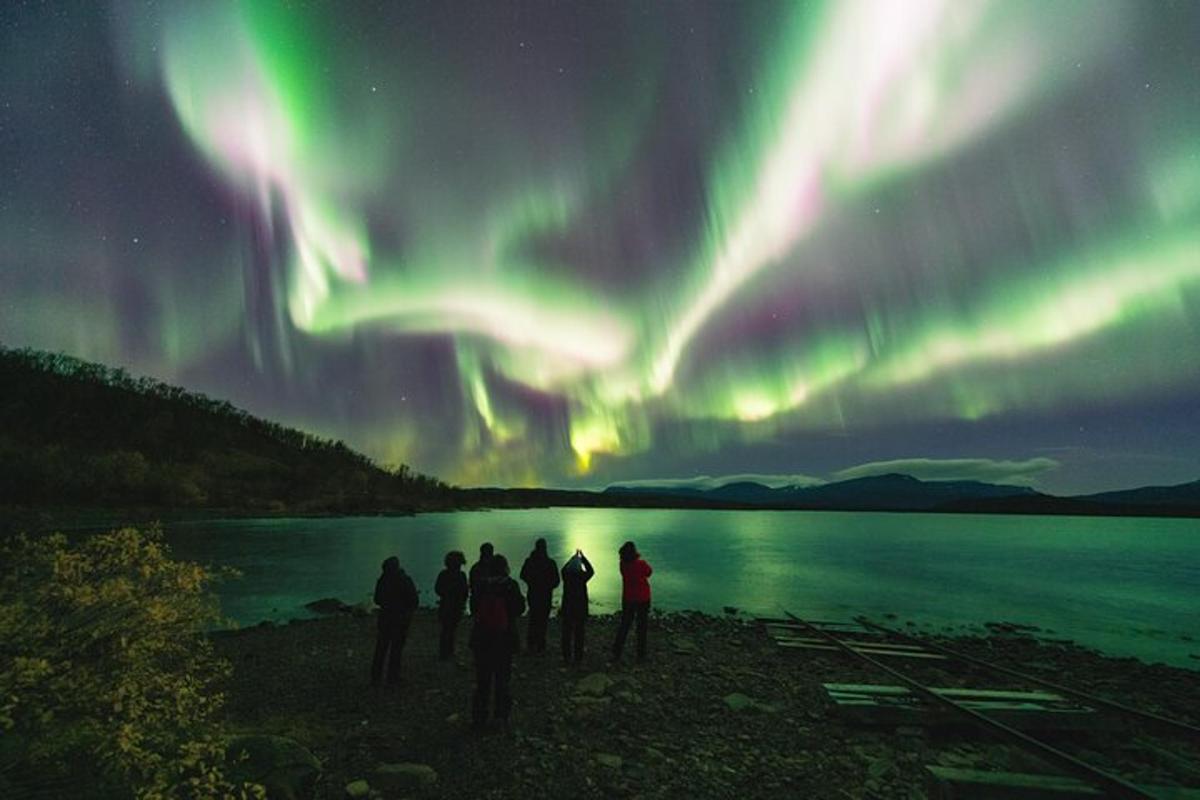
x,y
1158,721
900,646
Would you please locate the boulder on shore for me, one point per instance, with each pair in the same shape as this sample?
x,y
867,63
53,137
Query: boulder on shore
x,y
328,605
736,701
285,768
594,685
403,777
684,645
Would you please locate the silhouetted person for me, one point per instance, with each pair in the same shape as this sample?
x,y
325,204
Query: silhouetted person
x,y
540,574
451,588
574,612
396,596
635,599
494,639
479,571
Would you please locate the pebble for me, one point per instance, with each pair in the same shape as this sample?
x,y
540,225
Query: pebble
x,y
595,684
404,776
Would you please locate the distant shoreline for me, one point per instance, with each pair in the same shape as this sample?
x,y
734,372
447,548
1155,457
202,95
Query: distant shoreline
x,y
35,520
86,445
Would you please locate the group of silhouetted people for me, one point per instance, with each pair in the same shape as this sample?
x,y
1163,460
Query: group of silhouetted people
x,y
496,602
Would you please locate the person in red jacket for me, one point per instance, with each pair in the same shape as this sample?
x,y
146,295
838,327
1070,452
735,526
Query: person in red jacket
x,y
635,599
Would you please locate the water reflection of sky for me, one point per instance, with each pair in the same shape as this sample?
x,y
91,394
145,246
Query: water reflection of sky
x,y
1126,585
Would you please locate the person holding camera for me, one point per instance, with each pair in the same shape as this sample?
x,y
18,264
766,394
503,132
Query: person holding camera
x,y
574,612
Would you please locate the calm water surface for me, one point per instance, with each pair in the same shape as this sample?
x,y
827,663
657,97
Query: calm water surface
x,y
1126,586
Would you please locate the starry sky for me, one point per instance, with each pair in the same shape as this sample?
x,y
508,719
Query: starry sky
x,y
569,244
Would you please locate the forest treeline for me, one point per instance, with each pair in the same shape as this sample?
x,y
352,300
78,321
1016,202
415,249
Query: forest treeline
x,y
76,435
79,434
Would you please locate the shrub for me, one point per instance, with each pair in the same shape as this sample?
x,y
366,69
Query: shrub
x,y
108,686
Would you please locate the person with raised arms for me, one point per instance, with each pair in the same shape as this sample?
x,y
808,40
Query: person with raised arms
x,y
574,612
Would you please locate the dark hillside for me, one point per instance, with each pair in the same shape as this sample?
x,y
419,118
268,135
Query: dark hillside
x,y
1184,495
87,438
74,433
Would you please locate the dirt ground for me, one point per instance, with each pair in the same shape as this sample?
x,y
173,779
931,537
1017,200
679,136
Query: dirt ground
x,y
717,711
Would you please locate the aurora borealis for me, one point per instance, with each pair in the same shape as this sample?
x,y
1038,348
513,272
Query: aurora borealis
x,y
570,244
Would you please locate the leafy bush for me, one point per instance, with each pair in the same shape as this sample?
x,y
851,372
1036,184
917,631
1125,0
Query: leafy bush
x,y
107,685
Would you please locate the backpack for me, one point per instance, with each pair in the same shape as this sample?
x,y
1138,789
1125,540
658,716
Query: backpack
x,y
492,613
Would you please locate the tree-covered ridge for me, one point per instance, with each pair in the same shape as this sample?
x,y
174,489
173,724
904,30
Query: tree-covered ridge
x,y
77,433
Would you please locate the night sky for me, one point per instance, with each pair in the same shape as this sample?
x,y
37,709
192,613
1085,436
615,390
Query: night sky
x,y
575,243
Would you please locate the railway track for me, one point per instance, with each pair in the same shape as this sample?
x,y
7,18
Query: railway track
x,y
1157,721
1001,714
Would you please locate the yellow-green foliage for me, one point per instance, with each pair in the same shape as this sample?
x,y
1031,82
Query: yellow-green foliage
x,y
107,685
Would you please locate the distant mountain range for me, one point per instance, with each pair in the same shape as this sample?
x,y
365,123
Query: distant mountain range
x,y
895,492
1184,494
79,435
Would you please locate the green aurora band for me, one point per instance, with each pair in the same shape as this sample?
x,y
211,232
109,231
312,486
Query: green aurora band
x,y
856,114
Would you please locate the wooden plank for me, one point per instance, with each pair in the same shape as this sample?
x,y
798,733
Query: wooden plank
x,y
803,646
877,642
981,705
994,694
861,645
954,783
826,624
985,706
1023,719
869,704
887,650
980,699
876,651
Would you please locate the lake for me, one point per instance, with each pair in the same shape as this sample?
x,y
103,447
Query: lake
x,y
1126,586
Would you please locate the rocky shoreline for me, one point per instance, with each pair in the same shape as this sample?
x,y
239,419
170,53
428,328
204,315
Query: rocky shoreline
x,y
718,711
